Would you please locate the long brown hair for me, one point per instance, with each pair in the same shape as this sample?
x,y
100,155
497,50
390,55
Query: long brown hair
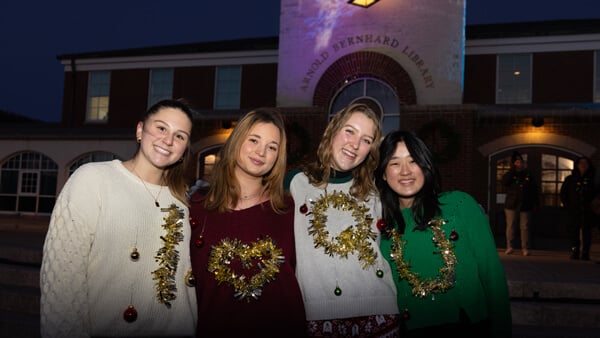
x,y
224,188
319,171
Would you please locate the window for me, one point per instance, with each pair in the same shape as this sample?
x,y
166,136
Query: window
x,y
502,167
597,76
375,91
28,183
208,159
92,157
161,85
513,79
98,96
228,87
554,171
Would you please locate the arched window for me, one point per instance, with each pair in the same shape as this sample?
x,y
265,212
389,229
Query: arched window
x,y
376,94
97,156
28,183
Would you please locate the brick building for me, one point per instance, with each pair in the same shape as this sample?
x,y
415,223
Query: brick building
x,y
474,93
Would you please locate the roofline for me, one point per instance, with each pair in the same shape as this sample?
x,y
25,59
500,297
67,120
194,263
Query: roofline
x,y
532,29
249,44
472,32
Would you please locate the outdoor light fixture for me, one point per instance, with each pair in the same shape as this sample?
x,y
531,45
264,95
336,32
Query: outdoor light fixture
x,y
537,121
363,3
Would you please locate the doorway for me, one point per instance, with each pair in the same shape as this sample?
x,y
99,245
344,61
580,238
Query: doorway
x,y
549,168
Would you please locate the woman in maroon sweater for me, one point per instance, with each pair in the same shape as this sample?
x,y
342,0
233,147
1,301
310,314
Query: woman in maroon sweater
x,y
242,247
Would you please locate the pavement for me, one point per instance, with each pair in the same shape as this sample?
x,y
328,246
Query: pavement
x,y
551,295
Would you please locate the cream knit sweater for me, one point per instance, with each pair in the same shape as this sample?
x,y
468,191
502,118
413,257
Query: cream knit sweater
x,y
87,277
363,292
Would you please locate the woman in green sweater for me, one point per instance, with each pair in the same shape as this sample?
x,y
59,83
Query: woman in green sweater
x,y
442,252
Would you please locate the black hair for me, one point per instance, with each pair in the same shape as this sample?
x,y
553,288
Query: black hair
x,y
426,204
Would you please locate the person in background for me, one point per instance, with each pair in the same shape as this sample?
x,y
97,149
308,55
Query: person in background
x,y
115,258
576,194
243,250
521,198
347,285
449,277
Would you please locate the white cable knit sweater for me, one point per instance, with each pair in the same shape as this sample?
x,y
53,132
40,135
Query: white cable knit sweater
x,y
363,293
87,277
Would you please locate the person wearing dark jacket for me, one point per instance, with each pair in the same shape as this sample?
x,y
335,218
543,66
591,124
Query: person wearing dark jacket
x,y
521,198
576,195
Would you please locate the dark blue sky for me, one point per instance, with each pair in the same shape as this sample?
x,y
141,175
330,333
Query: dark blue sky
x,y
34,33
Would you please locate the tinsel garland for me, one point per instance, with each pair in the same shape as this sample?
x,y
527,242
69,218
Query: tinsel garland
x,y
268,256
354,238
446,278
167,256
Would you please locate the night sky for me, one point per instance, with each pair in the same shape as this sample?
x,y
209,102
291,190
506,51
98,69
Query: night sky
x,y
34,33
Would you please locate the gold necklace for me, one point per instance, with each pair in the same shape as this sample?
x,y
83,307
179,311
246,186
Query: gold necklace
x,y
252,196
148,190
446,278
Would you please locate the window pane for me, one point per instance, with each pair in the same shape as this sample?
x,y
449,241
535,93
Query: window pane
x,y
548,175
548,161
565,163
9,181
27,203
348,94
29,183
161,85
228,87
98,96
48,183
514,78
549,188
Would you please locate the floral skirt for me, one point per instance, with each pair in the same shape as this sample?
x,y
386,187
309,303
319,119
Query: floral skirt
x,y
380,326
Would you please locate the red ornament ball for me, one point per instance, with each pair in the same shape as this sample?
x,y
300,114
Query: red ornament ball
x,y
304,208
406,314
380,224
130,314
199,242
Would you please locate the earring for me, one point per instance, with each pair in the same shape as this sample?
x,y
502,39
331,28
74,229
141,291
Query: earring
x,y
139,140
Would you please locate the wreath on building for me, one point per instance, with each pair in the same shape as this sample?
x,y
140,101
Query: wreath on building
x,y
298,143
442,139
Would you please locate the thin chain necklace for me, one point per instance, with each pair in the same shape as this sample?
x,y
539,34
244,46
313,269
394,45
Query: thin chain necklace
x,y
251,196
148,190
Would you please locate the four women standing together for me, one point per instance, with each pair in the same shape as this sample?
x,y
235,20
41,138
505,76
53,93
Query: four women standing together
x,y
342,254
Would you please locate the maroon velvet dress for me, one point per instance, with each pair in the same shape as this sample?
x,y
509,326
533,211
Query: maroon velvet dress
x,y
278,310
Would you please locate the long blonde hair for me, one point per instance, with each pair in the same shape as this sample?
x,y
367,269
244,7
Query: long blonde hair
x,y
224,188
319,171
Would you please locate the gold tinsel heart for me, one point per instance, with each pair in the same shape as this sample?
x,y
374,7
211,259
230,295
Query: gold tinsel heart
x,y
267,256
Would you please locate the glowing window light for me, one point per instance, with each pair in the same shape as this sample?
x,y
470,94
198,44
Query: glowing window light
x,y
363,3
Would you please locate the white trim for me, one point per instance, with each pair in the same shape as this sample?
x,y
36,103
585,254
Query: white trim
x,y
560,43
173,60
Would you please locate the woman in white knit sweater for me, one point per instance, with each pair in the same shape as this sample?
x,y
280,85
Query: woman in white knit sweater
x,y
116,256
347,285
